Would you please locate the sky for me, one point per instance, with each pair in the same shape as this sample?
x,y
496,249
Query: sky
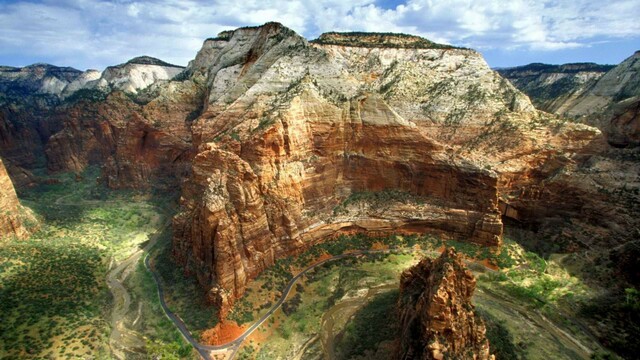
x,y
93,34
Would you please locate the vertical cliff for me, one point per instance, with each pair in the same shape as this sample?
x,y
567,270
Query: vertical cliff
x,y
600,95
437,319
290,129
15,220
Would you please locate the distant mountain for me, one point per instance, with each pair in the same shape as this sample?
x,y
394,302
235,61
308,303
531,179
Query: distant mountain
x,y
551,86
601,95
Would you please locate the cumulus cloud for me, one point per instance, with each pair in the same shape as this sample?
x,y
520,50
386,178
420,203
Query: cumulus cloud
x,y
97,33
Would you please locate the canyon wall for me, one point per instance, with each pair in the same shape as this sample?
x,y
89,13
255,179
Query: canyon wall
x,y
598,95
268,136
291,129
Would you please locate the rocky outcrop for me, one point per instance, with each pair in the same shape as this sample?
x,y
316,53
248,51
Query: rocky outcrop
x,y
289,130
552,87
136,74
15,220
437,319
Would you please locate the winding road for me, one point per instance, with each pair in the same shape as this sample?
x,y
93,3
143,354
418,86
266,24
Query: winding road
x,y
235,344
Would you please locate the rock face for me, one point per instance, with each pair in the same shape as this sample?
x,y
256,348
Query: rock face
x,y
136,138
437,319
136,74
137,141
552,87
290,129
13,217
606,100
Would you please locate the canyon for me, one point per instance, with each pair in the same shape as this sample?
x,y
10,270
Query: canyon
x,y
276,144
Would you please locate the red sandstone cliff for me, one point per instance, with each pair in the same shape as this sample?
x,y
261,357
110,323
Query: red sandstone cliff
x,y
437,319
268,134
290,129
14,219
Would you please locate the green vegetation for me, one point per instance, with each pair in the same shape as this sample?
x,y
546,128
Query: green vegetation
x,y
182,293
372,326
88,95
164,340
247,353
500,339
377,199
53,296
264,123
374,40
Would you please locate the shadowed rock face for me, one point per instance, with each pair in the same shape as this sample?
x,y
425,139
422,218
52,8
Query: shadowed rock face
x,y
12,216
437,319
552,87
290,129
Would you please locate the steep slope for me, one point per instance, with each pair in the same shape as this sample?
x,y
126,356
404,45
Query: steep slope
x,y
618,84
138,141
551,87
437,319
136,74
608,101
27,97
38,101
291,129
42,79
15,220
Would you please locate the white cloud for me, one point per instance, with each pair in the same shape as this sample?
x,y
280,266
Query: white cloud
x,y
97,33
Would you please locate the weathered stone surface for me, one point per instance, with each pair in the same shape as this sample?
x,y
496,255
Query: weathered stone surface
x,y
291,129
137,143
552,87
15,220
585,92
437,319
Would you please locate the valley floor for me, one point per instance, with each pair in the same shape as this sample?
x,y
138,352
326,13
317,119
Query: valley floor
x,y
55,287
344,309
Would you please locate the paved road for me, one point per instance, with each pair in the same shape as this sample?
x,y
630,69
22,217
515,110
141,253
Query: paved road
x,y
235,344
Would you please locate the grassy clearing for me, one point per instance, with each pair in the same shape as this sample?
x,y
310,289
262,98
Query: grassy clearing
x,y
54,299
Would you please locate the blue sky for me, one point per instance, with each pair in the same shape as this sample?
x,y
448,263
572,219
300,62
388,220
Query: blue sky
x,y
97,33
